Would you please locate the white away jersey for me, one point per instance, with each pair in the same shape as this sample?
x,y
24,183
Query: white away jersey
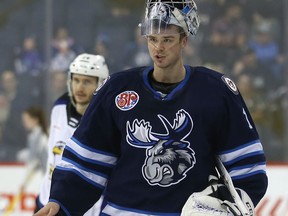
x,y
64,121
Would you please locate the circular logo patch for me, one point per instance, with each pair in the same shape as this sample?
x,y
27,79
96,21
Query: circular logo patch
x,y
126,100
231,85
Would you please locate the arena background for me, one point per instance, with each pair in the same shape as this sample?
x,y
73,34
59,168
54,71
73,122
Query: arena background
x,y
247,40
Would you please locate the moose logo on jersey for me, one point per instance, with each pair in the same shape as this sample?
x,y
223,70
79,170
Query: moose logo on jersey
x,y
168,156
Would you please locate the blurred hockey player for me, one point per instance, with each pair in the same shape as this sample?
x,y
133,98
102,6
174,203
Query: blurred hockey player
x,y
150,135
86,73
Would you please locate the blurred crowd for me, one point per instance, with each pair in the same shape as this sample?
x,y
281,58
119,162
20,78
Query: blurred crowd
x,y
241,38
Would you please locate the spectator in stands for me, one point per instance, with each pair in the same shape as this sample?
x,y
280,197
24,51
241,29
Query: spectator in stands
x,y
136,53
257,10
249,64
61,35
102,47
13,133
64,50
63,58
119,30
267,50
4,113
35,153
231,26
228,35
29,68
28,60
191,53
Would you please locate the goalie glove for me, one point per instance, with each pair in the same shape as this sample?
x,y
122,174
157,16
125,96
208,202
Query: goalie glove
x,y
216,200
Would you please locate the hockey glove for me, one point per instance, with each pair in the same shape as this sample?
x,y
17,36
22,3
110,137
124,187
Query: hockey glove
x,y
215,200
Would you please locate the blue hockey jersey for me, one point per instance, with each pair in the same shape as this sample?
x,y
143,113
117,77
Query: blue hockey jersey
x,y
148,152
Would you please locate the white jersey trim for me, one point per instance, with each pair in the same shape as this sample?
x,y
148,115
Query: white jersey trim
x,y
244,172
90,156
244,151
97,180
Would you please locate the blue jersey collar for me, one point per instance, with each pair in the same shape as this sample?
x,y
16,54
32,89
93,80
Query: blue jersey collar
x,y
156,94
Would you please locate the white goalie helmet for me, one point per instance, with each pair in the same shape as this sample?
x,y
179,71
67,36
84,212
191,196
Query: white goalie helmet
x,y
161,13
88,65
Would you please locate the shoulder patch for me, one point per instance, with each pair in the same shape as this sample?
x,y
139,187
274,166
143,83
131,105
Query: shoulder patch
x,y
230,84
126,100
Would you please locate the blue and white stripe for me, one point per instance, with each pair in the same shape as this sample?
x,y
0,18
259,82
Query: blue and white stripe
x,y
246,150
93,178
243,152
90,156
246,171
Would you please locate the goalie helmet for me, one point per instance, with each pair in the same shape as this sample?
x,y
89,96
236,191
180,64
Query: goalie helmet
x,y
159,14
88,65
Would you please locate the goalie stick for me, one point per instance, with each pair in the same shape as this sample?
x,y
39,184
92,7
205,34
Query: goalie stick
x,y
229,184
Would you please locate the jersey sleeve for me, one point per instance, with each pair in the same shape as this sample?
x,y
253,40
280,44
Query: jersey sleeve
x,y
240,149
88,158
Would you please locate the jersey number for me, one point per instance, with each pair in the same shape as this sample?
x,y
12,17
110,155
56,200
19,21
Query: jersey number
x,y
249,124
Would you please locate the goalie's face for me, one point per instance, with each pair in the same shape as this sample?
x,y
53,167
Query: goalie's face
x,y
82,88
166,49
